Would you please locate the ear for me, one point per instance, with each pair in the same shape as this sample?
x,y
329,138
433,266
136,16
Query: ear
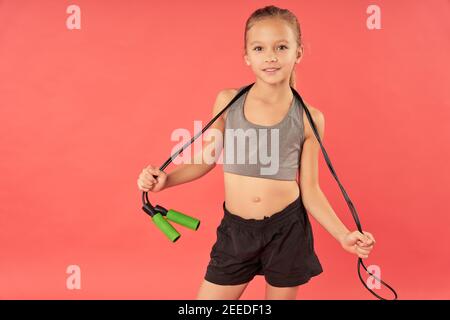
x,y
247,62
299,54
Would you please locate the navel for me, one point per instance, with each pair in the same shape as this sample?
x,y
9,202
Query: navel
x,y
256,199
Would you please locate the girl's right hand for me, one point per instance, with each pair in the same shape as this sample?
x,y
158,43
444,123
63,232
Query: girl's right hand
x,y
146,182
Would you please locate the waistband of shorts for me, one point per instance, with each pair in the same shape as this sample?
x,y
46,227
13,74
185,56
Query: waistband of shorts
x,y
275,217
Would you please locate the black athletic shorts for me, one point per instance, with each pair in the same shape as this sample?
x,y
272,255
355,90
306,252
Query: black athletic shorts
x,y
280,247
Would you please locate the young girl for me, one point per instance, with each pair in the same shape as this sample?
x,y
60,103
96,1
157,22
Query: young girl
x,y
265,229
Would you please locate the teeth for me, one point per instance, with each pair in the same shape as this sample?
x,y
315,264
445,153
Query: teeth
x,y
270,69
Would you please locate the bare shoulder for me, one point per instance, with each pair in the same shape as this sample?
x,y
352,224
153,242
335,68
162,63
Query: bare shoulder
x,y
318,118
223,98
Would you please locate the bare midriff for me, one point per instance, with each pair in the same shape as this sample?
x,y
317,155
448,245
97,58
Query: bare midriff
x,y
256,198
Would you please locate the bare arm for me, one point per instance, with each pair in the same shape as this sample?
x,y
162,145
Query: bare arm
x,y
313,198
315,201
204,161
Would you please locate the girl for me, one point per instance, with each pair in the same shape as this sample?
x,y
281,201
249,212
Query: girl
x,y
265,229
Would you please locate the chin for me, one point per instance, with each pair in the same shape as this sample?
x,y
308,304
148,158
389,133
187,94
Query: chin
x,y
274,80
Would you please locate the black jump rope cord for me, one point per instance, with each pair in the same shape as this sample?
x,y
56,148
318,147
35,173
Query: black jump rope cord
x,y
347,198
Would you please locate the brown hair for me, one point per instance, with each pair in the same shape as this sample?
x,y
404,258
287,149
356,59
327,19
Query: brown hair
x,y
275,12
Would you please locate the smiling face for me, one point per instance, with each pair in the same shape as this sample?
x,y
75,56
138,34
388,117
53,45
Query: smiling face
x,y
272,43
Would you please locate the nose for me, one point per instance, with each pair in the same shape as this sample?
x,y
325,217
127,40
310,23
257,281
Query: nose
x,y
271,57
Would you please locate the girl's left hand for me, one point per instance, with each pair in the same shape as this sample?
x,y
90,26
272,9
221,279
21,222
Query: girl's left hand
x,y
357,243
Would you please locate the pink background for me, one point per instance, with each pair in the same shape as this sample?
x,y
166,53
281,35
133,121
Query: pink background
x,y
83,111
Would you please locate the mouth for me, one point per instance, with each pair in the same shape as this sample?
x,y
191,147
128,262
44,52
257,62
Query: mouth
x,y
271,70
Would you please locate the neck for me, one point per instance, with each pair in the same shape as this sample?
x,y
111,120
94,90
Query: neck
x,y
272,93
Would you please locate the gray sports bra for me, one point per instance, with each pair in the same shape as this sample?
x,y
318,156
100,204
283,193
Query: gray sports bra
x,y
271,152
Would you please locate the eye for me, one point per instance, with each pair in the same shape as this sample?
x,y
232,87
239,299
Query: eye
x,y
278,47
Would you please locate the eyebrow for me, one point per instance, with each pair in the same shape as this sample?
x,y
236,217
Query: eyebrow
x,y
282,40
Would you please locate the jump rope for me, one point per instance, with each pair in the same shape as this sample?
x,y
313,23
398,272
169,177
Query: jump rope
x,y
157,213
